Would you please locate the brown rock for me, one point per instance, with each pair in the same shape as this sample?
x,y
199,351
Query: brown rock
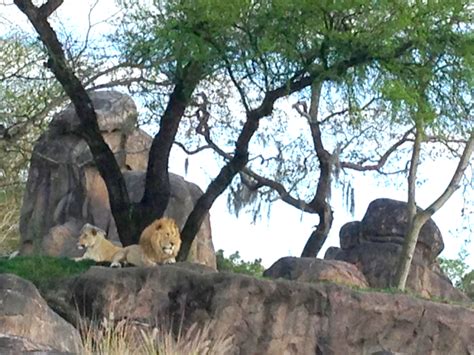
x,y
315,270
276,316
28,324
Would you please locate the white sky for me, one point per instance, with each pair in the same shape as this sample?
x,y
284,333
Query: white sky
x,y
287,230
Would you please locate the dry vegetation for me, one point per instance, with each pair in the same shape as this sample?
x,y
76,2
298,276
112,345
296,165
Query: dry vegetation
x,y
128,338
10,203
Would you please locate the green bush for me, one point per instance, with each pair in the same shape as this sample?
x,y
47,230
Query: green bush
x,y
455,269
234,264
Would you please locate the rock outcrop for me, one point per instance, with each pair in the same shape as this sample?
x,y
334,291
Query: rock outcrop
x,y
317,270
64,189
28,324
274,316
374,245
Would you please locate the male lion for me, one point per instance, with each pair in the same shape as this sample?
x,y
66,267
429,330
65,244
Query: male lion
x,y
160,241
100,249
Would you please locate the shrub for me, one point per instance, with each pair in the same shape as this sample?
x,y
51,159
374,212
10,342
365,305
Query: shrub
x,y
234,264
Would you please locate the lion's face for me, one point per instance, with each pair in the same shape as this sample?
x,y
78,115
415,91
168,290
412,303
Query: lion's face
x,y
161,240
89,236
167,236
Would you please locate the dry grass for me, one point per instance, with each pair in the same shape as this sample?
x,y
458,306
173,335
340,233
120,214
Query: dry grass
x,y
10,204
128,338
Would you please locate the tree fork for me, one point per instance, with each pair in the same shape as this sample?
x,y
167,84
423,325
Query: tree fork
x,y
157,186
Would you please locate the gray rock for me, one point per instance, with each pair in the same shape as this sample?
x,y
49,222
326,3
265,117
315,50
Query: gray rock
x,y
115,112
349,235
28,324
389,218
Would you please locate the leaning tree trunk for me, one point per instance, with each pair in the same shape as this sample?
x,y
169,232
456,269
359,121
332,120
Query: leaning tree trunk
x,y
320,202
130,219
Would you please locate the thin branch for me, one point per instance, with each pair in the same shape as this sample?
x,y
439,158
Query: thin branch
x,y
456,179
195,151
383,159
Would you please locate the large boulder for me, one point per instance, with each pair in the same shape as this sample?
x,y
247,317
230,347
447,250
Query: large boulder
x,y
375,243
274,316
317,270
64,189
386,218
28,324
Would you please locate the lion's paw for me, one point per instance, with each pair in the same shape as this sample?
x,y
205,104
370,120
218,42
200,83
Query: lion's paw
x,y
170,261
115,264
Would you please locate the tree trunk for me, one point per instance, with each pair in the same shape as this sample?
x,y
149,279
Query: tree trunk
x,y
323,190
157,186
319,235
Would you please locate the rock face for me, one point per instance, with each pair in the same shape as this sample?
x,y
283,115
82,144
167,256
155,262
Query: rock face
x,y
28,324
276,316
374,245
315,270
64,189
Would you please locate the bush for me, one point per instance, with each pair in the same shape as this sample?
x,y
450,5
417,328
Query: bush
x,y
234,264
455,269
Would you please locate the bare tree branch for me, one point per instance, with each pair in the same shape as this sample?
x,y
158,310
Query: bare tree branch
x,y
382,160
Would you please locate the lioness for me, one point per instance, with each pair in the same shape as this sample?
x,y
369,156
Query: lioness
x,y
97,247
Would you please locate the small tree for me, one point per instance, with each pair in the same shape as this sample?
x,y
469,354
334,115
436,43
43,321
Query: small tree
x,y
418,218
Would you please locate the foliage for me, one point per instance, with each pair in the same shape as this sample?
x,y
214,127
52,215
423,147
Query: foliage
x,y
126,337
27,93
468,284
457,270
235,264
41,269
413,59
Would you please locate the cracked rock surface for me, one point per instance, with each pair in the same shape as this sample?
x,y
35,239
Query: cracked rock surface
x,y
276,316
